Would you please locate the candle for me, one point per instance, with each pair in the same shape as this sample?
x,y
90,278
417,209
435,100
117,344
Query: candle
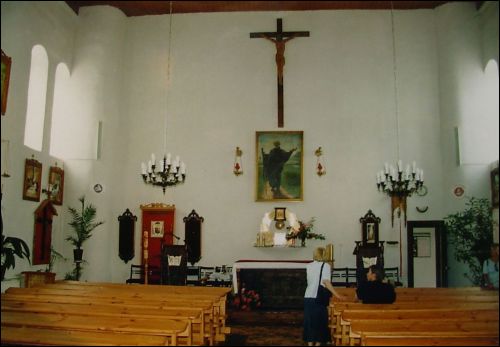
x,y
143,166
183,168
153,159
386,165
168,158
414,167
421,175
400,166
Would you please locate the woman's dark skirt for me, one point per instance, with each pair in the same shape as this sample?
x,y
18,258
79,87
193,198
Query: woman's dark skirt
x,y
315,322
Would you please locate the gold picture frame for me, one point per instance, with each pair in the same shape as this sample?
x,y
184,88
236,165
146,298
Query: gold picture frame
x,y
279,165
6,63
56,184
32,180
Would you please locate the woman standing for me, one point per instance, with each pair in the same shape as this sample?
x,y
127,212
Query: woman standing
x,y
316,329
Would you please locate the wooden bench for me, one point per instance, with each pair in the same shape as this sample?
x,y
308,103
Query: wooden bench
x,y
220,330
92,304
193,316
428,340
21,335
172,330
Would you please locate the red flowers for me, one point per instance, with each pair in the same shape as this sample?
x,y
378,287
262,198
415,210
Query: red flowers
x,y
246,300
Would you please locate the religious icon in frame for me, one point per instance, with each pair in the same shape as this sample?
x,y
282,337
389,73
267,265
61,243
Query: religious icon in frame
x,y
369,229
279,165
56,184
6,62
157,229
32,180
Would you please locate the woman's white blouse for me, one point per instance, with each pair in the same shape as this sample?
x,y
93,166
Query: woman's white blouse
x,y
313,271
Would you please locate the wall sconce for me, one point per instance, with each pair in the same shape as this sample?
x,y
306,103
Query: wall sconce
x,y
237,168
320,169
279,217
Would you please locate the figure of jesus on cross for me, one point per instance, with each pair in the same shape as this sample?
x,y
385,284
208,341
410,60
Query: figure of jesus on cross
x,y
280,38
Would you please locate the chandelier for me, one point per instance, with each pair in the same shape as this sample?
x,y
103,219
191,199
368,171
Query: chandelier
x,y
166,172
398,184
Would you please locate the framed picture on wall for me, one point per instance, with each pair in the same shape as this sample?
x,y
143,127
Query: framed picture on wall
x,y
279,165
56,184
494,187
32,180
369,229
6,62
157,228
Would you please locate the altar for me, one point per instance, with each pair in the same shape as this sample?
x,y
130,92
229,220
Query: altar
x,y
280,283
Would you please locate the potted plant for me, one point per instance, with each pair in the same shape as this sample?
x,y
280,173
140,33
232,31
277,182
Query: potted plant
x,y
471,232
83,223
54,256
11,247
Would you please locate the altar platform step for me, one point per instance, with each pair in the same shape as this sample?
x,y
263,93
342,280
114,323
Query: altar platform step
x,y
266,317
265,328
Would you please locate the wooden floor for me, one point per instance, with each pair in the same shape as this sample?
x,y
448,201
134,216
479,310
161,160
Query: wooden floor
x,y
265,328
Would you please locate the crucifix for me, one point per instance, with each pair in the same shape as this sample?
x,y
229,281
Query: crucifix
x,y
279,38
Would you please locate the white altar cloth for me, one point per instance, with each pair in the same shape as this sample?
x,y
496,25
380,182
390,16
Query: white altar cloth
x,y
265,264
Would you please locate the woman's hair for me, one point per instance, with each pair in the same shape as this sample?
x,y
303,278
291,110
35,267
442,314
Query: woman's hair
x,y
319,254
378,272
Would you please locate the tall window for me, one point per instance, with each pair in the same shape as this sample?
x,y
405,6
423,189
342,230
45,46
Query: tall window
x,y
491,110
37,92
58,133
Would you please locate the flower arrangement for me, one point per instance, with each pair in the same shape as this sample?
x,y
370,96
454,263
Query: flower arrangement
x,y
246,300
304,232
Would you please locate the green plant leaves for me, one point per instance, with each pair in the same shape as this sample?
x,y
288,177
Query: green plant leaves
x,y
471,232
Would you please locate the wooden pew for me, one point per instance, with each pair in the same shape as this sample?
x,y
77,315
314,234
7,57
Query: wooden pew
x,y
92,304
193,316
134,293
456,326
218,292
21,335
428,340
172,330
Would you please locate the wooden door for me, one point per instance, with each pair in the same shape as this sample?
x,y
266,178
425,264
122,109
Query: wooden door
x,y
157,230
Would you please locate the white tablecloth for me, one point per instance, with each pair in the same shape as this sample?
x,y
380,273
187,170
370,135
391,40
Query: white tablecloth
x,y
269,264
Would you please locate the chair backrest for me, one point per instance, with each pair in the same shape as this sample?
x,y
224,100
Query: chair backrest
x,y
339,277
136,274
392,275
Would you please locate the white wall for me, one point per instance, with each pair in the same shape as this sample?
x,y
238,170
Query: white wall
x,y
462,59
338,89
25,24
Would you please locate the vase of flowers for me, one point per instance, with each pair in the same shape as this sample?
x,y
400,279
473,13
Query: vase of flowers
x,y
247,300
305,231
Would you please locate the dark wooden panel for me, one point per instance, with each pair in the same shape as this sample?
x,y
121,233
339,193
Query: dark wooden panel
x,y
278,288
141,8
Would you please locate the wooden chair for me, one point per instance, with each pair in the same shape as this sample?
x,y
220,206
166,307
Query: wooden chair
x,y
193,275
136,274
340,277
392,275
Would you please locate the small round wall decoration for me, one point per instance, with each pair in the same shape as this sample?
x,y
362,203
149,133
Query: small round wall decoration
x,y
98,188
459,191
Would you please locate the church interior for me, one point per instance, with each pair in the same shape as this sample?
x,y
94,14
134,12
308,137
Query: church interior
x,y
203,150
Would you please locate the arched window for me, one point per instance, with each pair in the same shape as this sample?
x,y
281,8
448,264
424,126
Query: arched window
x,y
58,133
37,92
491,110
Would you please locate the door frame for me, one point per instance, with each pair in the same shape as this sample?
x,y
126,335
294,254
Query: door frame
x,y
441,250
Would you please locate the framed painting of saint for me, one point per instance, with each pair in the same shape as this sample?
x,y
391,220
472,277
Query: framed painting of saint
x,y
32,180
279,165
56,184
6,62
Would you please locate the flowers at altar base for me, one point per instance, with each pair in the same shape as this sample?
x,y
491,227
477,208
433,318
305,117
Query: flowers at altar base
x,y
246,300
304,231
